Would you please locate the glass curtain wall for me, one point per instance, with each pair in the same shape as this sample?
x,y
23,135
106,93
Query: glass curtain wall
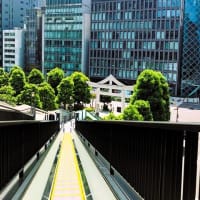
x,y
190,66
63,35
128,36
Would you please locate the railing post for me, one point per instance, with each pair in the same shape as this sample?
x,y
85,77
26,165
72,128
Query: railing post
x,y
198,170
38,155
21,173
183,165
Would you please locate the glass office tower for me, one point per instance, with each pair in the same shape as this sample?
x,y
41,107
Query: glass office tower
x,y
1,37
66,34
33,39
190,60
128,36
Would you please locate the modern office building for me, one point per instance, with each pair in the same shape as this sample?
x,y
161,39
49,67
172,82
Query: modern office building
x,y
190,55
13,14
13,48
128,36
66,35
33,39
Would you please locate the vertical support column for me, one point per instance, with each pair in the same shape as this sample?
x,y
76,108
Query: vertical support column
x,y
123,99
21,173
198,170
97,101
183,166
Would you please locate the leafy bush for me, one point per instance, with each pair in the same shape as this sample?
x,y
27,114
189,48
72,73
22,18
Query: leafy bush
x,y
89,109
112,116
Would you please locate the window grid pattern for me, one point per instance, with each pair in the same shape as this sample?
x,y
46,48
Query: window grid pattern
x,y
63,37
33,38
191,49
130,36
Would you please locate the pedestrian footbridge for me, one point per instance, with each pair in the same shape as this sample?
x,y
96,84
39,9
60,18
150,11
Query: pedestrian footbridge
x,y
67,182
99,160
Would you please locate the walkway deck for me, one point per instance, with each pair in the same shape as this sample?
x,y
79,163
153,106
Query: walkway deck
x,y
67,183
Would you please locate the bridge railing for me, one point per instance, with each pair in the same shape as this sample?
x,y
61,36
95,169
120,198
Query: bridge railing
x,y
158,159
19,142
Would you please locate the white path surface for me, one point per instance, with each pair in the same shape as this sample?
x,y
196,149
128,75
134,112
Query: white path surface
x,y
98,187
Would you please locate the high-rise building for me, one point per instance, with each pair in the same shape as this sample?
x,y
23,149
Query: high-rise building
x,y
66,35
33,39
190,49
13,14
13,48
128,36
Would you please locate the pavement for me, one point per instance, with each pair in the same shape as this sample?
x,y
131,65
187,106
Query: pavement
x,y
184,114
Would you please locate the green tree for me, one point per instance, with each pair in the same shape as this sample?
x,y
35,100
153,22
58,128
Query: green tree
x,y
17,80
35,76
13,69
112,116
3,78
30,96
54,78
47,96
7,94
81,89
152,86
132,113
143,108
65,91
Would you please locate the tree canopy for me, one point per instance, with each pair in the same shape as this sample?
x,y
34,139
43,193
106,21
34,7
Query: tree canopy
x,y
152,86
35,76
30,96
7,94
81,88
47,96
132,113
37,92
65,91
54,77
3,78
17,79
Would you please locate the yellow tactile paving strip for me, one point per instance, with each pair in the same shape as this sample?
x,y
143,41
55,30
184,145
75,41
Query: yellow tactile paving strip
x,y
67,183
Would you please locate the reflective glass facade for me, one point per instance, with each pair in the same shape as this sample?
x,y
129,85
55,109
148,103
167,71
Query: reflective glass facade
x,y
33,39
1,36
128,36
190,66
63,35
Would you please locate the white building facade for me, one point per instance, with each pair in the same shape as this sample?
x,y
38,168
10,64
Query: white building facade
x,y
110,86
13,48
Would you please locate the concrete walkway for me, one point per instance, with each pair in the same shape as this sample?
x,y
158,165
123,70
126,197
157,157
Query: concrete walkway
x,y
98,186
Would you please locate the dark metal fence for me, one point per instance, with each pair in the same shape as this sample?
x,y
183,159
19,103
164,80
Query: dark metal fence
x,y
150,156
19,142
